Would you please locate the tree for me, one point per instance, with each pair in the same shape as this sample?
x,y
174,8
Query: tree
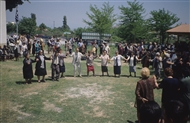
x,y
11,28
27,26
42,26
102,20
161,21
133,26
65,26
10,4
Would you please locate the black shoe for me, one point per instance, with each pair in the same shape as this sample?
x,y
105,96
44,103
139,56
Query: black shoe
x,y
52,79
57,79
43,81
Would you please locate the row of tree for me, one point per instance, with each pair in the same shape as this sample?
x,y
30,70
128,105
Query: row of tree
x,y
28,25
132,25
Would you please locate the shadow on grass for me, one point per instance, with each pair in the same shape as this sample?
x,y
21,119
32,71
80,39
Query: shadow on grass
x,y
128,121
23,82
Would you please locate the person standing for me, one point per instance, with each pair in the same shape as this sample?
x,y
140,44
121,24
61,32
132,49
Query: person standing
x,y
37,47
117,63
41,66
157,63
144,89
104,62
16,51
170,87
132,63
77,61
27,68
107,48
55,66
33,47
62,63
89,63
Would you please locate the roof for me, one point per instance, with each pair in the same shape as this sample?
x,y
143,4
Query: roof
x,y
183,29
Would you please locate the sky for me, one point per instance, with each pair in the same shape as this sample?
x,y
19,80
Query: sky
x,y
51,12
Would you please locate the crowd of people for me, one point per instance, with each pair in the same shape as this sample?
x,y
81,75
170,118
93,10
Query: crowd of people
x,y
173,59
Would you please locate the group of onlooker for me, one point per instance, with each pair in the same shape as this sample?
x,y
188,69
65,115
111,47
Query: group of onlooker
x,y
175,107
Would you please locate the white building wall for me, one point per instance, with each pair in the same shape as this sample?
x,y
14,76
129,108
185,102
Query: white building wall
x,y
3,27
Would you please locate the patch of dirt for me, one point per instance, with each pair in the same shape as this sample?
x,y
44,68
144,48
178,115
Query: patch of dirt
x,y
51,107
95,92
15,107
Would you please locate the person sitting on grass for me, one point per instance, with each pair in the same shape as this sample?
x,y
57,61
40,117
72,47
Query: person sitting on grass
x,y
150,112
27,68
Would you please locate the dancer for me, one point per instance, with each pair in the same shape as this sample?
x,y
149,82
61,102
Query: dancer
x,y
89,62
104,62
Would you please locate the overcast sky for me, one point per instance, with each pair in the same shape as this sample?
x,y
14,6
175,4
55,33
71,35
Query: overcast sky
x,y
51,12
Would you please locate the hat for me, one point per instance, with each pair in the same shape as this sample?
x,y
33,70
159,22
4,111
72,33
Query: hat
x,y
158,53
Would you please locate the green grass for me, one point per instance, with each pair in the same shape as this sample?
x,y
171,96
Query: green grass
x,y
82,100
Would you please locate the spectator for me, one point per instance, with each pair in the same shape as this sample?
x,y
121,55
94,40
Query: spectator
x,y
150,112
144,89
185,92
175,112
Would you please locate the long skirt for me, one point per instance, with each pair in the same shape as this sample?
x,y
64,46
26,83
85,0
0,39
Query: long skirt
x,y
104,69
132,69
90,68
41,72
62,68
117,69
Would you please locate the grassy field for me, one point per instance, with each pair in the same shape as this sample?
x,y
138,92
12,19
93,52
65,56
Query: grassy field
x,y
82,100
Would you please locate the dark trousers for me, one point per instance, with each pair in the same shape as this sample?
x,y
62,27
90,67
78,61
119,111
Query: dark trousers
x,y
55,70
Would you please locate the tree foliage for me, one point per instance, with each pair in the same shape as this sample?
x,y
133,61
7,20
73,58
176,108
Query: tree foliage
x,y
42,26
11,4
65,26
161,21
101,20
27,26
133,26
11,28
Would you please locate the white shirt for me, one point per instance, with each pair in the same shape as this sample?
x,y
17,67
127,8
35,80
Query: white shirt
x,y
104,60
76,57
119,58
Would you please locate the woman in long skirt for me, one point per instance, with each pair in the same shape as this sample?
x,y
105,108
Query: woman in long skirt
x,y
132,63
104,62
117,63
27,69
41,66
